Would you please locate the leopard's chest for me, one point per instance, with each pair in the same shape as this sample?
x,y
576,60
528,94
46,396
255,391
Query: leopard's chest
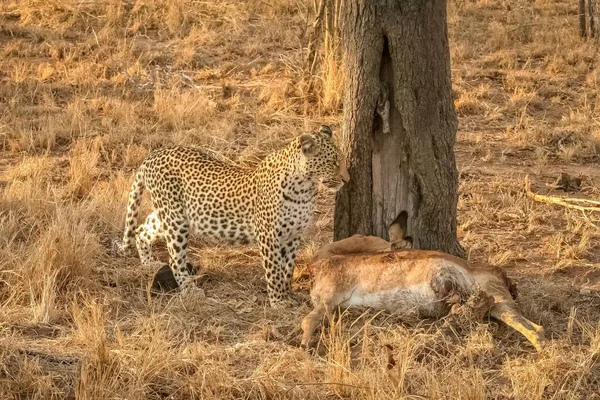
x,y
296,211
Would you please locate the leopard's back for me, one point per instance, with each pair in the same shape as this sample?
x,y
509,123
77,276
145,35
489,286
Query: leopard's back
x,y
216,196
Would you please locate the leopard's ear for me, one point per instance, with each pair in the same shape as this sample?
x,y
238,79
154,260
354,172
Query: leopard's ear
x,y
326,131
309,144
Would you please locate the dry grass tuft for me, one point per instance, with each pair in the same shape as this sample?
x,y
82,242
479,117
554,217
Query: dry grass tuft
x,y
83,168
183,111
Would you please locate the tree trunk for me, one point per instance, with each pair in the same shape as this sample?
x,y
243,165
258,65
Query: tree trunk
x,y
592,18
397,51
582,28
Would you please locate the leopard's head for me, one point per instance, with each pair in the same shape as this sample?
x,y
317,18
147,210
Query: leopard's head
x,y
324,160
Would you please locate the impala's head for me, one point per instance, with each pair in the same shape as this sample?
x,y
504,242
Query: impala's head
x,y
323,160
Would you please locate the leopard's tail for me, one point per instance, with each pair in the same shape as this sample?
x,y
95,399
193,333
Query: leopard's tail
x,y
131,220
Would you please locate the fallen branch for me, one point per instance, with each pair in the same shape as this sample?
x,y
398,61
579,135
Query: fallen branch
x,y
55,359
561,201
575,200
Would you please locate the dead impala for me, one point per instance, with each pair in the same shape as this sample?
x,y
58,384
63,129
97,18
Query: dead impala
x,y
364,271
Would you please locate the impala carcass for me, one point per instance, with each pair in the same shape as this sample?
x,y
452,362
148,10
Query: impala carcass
x,y
417,283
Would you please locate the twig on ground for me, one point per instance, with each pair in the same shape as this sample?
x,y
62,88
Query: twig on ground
x,y
516,28
49,357
561,201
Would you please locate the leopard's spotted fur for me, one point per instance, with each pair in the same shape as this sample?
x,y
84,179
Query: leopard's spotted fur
x,y
270,205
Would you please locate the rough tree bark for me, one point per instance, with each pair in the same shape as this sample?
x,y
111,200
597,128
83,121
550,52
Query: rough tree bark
x,y
592,33
588,19
582,28
397,52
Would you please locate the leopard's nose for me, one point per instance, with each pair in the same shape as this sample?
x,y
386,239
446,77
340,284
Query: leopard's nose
x,y
345,176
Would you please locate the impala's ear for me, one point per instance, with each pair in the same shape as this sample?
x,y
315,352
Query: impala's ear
x,y
397,229
326,131
308,144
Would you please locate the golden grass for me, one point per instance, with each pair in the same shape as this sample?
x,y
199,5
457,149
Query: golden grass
x,y
90,87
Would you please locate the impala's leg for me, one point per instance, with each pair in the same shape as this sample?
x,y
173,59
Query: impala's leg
x,y
326,300
507,313
310,323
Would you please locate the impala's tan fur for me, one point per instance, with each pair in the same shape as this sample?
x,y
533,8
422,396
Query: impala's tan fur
x,y
359,244
362,271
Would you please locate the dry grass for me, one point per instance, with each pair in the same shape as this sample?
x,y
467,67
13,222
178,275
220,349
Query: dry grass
x,y
89,87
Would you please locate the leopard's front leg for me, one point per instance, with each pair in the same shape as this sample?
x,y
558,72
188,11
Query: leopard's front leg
x,y
274,263
289,248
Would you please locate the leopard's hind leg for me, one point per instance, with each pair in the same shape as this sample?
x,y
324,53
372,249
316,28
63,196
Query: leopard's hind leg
x,y
146,235
176,233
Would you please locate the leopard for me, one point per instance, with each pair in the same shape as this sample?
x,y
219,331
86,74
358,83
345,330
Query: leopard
x,y
195,193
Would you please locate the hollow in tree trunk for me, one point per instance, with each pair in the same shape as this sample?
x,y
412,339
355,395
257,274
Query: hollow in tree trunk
x,y
399,124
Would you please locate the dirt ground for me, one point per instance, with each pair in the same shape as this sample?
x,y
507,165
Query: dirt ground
x,y
88,88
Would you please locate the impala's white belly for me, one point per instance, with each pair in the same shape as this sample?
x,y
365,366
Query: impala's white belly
x,y
412,300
